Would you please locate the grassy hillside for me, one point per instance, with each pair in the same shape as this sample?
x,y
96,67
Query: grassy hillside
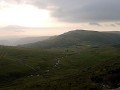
x,y
77,38
78,68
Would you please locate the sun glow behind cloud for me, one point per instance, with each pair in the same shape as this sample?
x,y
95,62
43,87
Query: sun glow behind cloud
x,y
24,15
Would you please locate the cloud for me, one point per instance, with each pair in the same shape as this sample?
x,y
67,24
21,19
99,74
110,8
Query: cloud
x,y
118,23
77,11
83,11
113,25
96,24
13,28
94,11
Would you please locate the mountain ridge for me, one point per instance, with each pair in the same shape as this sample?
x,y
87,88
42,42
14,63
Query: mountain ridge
x,y
78,37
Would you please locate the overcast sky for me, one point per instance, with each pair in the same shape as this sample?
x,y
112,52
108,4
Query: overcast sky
x,y
50,17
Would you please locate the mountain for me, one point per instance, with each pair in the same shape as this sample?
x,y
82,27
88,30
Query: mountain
x,y
81,68
77,38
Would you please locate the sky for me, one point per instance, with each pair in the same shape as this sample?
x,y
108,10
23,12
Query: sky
x,y
53,17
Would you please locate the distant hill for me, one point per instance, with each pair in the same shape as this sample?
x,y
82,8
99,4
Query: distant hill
x,y
20,41
4,42
77,38
27,40
115,32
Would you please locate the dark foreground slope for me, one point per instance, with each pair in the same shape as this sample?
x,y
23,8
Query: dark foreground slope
x,y
77,38
79,68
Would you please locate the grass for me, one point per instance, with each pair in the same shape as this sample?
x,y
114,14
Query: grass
x,y
75,68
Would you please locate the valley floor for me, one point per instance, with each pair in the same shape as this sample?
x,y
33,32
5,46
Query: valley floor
x,y
74,68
